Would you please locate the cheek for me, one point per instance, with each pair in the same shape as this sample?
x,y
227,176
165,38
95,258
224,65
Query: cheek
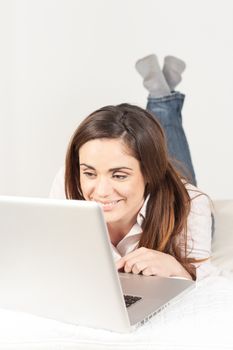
x,y
85,186
138,187
133,191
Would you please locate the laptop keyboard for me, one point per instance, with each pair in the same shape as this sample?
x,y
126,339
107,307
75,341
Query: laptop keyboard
x,y
130,299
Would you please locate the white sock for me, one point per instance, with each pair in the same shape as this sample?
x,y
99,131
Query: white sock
x,y
154,80
172,70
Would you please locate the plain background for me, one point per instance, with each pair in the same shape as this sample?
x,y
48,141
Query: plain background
x,y
62,59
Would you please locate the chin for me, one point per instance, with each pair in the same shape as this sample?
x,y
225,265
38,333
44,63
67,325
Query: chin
x,y
110,219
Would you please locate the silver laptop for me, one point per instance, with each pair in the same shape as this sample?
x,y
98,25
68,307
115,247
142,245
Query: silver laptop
x,y
56,261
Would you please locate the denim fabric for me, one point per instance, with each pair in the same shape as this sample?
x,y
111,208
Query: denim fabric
x,y
167,111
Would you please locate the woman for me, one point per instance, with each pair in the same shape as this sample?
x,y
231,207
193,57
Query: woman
x,y
158,223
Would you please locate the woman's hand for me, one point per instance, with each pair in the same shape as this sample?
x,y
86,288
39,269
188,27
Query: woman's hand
x,y
152,262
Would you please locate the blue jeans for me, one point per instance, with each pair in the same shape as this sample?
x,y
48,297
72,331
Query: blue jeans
x,y
167,111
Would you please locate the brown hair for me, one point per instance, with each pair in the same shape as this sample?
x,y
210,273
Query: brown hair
x,y
165,224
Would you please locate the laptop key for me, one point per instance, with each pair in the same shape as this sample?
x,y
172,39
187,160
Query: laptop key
x,y
131,299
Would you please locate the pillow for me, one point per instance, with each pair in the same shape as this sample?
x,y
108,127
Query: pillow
x,y
222,246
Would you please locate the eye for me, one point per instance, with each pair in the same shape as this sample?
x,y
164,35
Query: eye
x,y
89,174
119,176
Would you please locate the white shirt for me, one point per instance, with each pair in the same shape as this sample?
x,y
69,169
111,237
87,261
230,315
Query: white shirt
x,y
198,227
130,242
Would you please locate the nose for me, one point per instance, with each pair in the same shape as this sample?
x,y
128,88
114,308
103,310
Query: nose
x,y
103,187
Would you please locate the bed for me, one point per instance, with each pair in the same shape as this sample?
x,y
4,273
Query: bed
x,y
202,319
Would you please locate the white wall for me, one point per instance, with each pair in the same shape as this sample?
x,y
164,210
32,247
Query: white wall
x,y
61,59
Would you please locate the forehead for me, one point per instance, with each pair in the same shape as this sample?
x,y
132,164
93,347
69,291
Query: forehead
x,y
107,153
100,146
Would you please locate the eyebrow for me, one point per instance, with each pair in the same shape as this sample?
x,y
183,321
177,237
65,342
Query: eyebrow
x,y
112,169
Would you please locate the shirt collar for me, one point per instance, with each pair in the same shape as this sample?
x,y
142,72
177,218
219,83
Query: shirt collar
x,y
130,241
142,212
137,227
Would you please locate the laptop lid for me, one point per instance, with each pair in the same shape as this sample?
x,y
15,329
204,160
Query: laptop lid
x,y
56,262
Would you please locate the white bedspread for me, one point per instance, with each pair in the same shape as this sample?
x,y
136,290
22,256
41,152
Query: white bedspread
x,y
202,319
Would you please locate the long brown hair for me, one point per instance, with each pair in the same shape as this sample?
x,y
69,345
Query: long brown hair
x,y
165,224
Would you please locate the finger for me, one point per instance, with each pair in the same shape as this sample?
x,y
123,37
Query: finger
x,y
127,262
136,252
120,263
139,266
146,267
149,271
155,271
139,256
138,261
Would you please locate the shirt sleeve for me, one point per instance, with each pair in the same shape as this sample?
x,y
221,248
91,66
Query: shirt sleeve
x,y
57,190
199,232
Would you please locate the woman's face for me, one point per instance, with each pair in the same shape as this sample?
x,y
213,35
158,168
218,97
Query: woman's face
x,y
112,177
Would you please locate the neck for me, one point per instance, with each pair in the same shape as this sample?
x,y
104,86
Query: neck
x,y
118,231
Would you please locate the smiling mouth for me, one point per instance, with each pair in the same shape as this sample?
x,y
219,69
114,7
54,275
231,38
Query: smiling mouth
x,y
109,205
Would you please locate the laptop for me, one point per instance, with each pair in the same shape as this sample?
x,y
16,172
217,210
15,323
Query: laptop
x,y
56,262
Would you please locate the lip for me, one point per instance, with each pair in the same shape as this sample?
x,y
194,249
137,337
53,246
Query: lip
x,y
109,205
